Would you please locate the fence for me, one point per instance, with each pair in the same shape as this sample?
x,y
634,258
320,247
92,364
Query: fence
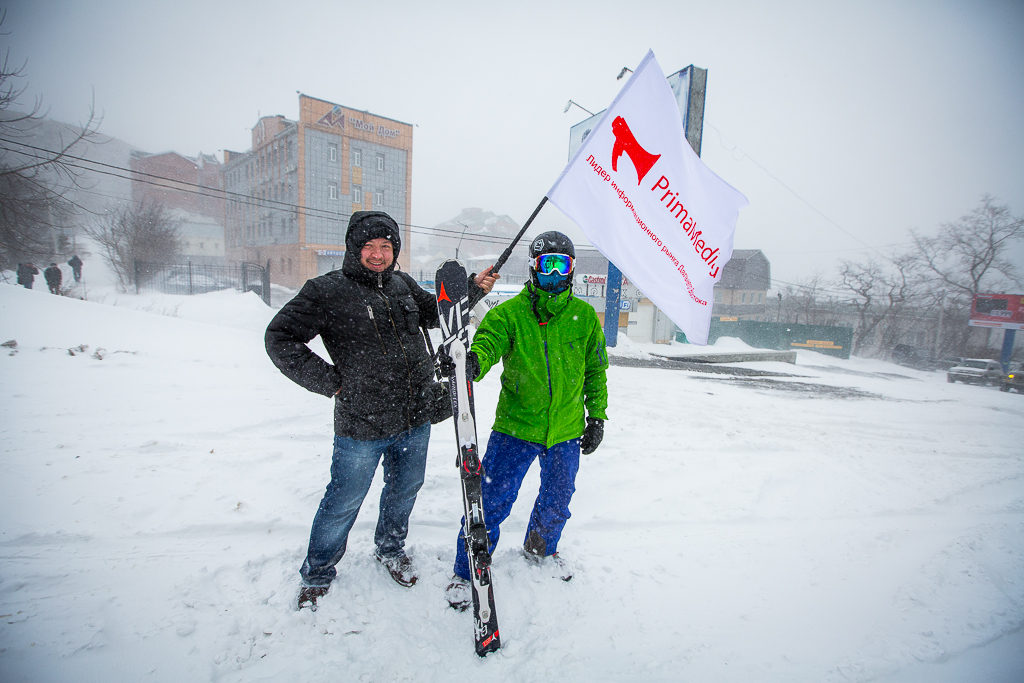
x,y
827,339
196,278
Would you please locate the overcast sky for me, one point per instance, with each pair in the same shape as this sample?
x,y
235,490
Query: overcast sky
x,y
844,123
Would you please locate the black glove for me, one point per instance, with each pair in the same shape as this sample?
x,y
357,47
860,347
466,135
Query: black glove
x,y
472,365
592,435
444,362
447,364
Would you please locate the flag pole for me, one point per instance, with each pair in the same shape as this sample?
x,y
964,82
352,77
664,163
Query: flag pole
x,y
508,252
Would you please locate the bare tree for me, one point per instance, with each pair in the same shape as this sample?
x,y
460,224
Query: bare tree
x,y
142,231
971,255
883,293
790,304
807,302
901,301
866,281
34,177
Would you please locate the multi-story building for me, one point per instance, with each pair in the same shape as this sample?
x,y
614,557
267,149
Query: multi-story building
x,y
741,292
191,191
289,198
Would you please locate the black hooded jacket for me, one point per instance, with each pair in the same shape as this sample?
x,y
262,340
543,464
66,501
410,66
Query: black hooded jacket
x,y
370,325
27,273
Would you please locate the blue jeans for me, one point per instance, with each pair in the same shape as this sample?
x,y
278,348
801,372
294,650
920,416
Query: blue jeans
x,y
505,465
352,468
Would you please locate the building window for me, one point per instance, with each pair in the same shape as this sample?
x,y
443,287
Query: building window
x,y
380,163
379,198
333,190
357,158
357,195
334,152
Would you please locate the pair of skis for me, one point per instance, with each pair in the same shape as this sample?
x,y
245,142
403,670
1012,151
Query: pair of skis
x,y
452,287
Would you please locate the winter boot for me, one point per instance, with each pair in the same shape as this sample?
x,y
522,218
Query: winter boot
x,y
459,594
308,595
400,568
533,550
535,546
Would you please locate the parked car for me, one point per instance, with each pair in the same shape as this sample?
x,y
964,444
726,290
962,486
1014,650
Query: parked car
x,y
180,281
976,371
1014,379
907,355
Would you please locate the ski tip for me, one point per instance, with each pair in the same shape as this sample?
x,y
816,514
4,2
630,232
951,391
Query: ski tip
x,y
451,264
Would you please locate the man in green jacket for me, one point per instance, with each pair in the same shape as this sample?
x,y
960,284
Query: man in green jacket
x,y
552,350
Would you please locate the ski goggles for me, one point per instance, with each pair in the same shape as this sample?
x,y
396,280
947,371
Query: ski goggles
x,y
546,264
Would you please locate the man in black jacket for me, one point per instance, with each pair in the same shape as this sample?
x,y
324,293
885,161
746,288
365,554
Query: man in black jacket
x,y
76,267
368,316
53,278
27,274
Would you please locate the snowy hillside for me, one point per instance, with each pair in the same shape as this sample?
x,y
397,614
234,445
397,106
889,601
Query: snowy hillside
x,y
845,521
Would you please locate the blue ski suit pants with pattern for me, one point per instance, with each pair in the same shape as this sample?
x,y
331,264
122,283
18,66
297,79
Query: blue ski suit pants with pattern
x,y
506,463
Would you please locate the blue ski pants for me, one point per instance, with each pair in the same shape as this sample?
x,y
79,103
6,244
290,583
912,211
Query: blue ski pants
x,y
506,463
352,469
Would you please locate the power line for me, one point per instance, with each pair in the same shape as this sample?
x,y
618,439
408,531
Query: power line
x,y
825,290
839,251
219,193
791,190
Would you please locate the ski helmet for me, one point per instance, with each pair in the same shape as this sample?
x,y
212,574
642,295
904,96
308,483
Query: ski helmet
x,y
551,242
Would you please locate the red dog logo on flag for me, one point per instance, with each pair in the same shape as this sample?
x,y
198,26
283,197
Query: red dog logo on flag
x,y
672,232
642,160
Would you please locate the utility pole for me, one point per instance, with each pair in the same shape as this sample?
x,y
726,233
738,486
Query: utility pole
x,y
938,332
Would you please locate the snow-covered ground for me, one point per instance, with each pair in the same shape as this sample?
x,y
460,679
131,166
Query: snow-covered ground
x,y
854,521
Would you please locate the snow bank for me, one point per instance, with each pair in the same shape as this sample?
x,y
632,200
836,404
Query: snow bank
x,y
627,348
857,521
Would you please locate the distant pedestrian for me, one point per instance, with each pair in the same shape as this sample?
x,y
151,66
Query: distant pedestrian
x,y
53,278
27,274
76,267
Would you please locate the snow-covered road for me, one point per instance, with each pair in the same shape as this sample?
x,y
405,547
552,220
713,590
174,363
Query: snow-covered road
x,y
857,521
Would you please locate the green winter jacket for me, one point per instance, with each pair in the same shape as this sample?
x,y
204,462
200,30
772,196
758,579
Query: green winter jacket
x,y
553,352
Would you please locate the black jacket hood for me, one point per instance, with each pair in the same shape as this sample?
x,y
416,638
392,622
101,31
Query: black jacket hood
x,y
363,227
369,225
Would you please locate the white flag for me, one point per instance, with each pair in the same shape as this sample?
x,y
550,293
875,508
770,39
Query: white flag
x,y
644,198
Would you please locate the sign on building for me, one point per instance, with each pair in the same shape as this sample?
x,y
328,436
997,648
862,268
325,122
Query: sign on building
x,y
1001,311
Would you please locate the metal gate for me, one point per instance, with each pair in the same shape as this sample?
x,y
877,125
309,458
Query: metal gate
x,y
199,278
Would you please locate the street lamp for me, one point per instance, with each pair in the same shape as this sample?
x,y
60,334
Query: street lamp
x,y
570,103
